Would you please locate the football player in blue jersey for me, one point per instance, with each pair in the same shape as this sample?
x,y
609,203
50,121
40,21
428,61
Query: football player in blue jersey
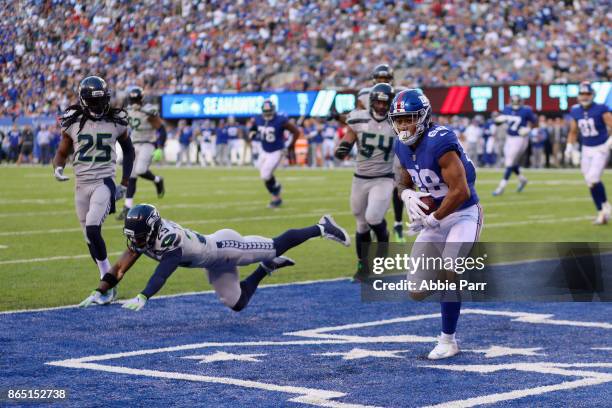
x,y
269,128
434,165
519,120
590,121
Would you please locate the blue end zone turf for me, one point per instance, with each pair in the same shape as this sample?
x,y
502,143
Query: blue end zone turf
x,y
313,344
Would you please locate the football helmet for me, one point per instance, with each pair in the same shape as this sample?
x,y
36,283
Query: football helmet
x,y
381,96
94,96
382,73
516,101
141,226
268,110
585,94
410,115
135,96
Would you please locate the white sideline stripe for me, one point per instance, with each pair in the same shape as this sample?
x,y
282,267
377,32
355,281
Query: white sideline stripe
x,y
52,258
3,246
190,222
175,295
312,396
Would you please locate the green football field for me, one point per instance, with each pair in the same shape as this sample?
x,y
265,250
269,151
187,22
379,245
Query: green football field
x,y
44,260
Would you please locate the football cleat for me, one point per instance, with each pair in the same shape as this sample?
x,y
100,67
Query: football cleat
x,y
521,186
122,214
275,203
444,349
277,263
398,233
361,275
108,297
498,192
332,231
602,218
159,186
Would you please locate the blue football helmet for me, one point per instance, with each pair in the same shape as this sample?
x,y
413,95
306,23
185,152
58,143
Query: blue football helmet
x,y
268,110
381,93
410,104
585,94
141,226
94,96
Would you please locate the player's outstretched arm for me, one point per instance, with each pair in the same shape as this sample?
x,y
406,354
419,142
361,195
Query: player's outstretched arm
x,y
454,176
168,264
297,132
59,161
112,277
346,144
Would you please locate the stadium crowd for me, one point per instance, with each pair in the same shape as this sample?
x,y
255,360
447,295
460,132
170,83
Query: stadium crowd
x,y
215,46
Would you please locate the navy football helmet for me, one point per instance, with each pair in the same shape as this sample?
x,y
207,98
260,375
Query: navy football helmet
x,y
381,96
94,96
585,94
516,101
382,73
268,110
410,115
141,226
135,96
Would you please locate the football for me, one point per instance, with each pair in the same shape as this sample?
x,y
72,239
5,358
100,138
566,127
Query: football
x,y
431,203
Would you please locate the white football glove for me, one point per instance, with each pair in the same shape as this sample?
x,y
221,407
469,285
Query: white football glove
x,y
524,131
59,174
572,153
431,222
416,226
94,298
120,191
414,205
137,303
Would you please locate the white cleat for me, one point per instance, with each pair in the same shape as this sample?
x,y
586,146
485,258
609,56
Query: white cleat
x,y
444,349
108,297
332,231
602,218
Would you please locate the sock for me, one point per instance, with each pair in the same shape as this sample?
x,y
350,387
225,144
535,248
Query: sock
x,y
157,179
128,203
522,178
598,192
272,186
447,337
248,287
91,252
502,184
103,266
131,188
294,237
148,175
508,173
362,238
382,235
450,316
398,206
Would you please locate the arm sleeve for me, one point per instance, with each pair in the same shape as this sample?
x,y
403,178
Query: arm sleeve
x,y
166,267
128,156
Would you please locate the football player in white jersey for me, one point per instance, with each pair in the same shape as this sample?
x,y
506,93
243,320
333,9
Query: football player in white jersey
x,y
219,254
384,73
144,124
89,131
373,182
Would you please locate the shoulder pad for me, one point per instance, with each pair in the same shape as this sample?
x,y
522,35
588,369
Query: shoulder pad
x,y
149,109
358,116
363,91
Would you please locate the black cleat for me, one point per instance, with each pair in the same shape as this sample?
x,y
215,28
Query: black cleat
x,y
275,203
160,188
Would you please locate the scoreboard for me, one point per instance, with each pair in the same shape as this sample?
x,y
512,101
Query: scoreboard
x,y
454,100
553,98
